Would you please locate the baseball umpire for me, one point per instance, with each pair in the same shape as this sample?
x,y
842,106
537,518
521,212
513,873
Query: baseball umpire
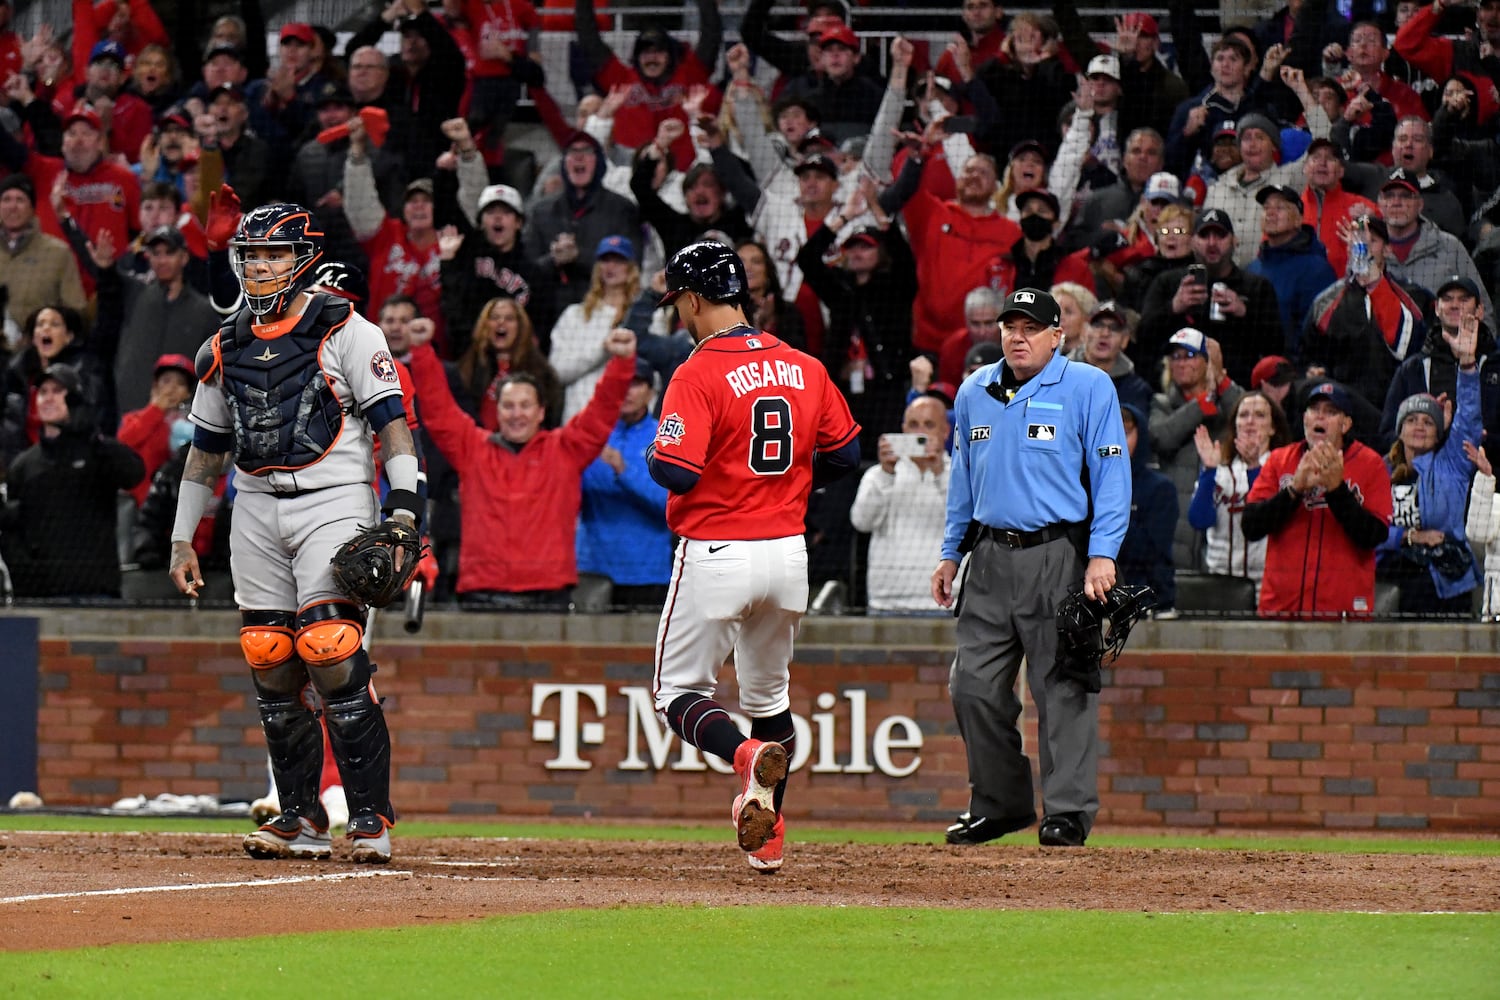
x,y
749,425
291,387
1040,497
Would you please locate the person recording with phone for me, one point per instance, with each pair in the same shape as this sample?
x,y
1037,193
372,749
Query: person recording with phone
x,y
902,503
1213,294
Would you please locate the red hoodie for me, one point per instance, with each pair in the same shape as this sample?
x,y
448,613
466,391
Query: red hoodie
x,y
953,250
519,509
1313,569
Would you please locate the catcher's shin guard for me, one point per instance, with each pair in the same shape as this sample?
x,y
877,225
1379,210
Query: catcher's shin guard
x,y
295,742
361,742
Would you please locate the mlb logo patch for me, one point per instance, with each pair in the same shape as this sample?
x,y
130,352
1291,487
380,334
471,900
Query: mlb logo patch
x,y
979,433
1041,432
671,430
383,367
1023,296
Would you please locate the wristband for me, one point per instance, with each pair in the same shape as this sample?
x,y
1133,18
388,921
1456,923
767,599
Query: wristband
x,y
402,472
192,501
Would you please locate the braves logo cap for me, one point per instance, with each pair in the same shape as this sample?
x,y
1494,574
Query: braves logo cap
x,y
1033,303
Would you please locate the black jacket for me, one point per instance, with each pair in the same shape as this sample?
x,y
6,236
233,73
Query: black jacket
x,y
57,532
879,311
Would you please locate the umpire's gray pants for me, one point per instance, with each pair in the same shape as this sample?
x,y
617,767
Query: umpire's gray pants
x,y
1007,610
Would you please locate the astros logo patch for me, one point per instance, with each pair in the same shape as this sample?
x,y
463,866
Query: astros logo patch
x,y
671,430
383,367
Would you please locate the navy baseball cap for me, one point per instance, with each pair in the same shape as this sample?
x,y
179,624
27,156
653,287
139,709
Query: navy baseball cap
x,y
1215,218
1032,303
1285,192
1466,285
108,49
619,246
1334,393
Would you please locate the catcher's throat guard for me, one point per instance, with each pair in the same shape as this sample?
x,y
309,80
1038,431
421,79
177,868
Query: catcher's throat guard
x,y
364,567
1091,634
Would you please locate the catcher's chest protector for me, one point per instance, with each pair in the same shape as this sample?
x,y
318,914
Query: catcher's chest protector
x,y
286,415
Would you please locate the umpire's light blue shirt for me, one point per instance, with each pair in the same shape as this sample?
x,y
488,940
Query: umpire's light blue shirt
x,y
1020,464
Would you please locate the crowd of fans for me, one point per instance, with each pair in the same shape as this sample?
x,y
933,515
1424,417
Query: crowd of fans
x,y
1280,237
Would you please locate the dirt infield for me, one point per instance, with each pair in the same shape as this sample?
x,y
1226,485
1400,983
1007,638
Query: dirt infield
x,y
75,890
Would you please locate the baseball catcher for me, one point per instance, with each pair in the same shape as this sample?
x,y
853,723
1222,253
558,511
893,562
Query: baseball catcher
x,y
375,565
1093,633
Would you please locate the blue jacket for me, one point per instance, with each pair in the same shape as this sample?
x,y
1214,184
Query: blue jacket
x,y
1442,488
1299,271
622,523
1021,464
1146,554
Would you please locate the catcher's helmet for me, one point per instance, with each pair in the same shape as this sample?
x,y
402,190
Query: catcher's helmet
x,y
279,225
709,269
342,279
1091,633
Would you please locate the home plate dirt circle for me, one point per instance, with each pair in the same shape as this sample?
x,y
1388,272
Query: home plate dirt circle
x,y
68,890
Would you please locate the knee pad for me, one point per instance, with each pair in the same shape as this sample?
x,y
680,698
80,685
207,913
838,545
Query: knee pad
x,y
329,633
266,638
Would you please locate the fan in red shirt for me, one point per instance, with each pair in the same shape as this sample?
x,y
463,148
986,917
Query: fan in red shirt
x,y
955,243
661,72
749,426
502,32
102,196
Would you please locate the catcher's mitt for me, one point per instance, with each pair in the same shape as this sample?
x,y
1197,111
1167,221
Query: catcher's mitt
x,y
1092,633
364,567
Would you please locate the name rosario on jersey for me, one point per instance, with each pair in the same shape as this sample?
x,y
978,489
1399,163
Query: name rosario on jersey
x,y
760,374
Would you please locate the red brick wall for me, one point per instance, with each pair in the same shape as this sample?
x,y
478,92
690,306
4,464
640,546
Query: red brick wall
x,y
1192,739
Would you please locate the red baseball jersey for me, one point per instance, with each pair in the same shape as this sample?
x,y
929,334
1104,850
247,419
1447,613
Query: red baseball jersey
x,y
746,413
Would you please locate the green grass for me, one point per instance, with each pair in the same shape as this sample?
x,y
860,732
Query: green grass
x,y
761,952
1350,843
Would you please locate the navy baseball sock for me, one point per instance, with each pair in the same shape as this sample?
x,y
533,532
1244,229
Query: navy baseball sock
x,y
705,724
777,729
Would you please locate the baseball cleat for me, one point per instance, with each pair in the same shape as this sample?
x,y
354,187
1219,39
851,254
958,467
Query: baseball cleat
x,y
768,858
369,835
289,836
761,766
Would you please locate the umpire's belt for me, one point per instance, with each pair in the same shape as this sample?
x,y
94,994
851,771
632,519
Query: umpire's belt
x,y
1013,539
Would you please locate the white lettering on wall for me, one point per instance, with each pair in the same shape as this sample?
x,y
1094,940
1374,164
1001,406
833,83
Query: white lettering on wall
x,y
651,745
567,731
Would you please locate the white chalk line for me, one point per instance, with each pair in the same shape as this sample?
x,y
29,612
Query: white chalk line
x,y
201,886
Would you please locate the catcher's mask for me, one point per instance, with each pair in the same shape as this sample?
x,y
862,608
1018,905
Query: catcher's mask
x,y
1091,634
270,286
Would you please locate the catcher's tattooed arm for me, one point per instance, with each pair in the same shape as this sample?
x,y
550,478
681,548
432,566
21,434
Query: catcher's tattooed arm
x,y
399,453
199,475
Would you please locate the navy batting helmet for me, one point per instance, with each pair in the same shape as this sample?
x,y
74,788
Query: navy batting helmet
x,y
337,277
271,288
708,269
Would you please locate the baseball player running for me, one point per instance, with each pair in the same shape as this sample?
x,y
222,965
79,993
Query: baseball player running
x,y
748,426
291,386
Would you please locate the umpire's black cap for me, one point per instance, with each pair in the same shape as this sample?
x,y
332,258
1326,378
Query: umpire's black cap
x,y
708,269
1034,304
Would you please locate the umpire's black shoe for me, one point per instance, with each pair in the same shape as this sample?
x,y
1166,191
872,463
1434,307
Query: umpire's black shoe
x,y
971,829
1062,830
